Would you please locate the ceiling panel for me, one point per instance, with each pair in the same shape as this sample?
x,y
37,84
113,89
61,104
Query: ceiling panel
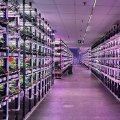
x,y
71,43
66,8
83,10
68,22
89,39
71,31
106,2
67,2
81,24
81,2
102,10
80,17
53,16
68,16
43,1
84,49
109,20
115,11
46,8
98,18
117,3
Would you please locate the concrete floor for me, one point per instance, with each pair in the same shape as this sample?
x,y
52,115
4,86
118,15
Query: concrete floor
x,y
78,97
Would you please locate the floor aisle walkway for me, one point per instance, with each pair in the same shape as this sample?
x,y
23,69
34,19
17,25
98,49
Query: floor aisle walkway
x,y
78,97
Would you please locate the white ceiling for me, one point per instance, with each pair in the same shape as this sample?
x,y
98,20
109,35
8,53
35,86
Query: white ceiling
x,y
69,18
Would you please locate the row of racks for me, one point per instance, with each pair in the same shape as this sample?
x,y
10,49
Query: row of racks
x,y
63,58
85,58
26,59
104,62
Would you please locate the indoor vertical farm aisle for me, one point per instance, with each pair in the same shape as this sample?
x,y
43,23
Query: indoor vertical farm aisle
x,y
72,43
78,97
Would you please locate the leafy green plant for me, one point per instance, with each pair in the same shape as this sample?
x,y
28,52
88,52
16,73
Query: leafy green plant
x,y
28,65
28,17
2,42
12,46
21,64
12,24
2,69
28,81
27,47
21,82
21,46
13,66
13,88
2,94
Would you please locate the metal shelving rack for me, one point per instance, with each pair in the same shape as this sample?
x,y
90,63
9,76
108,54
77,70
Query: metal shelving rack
x,y
26,59
9,59
38,37
104,60
86,58
63,58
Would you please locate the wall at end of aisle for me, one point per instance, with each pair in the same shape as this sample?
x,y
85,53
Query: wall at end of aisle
x,y
75,52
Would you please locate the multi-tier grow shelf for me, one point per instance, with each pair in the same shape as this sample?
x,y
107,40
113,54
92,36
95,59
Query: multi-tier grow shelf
x,y
86,58
9,59
63,58
26,59
104,60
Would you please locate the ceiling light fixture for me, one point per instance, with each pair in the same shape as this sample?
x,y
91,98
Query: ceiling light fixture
x,y
90,17
94,3
88,28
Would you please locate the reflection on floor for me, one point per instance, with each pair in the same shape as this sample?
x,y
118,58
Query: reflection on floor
x,y
78,97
